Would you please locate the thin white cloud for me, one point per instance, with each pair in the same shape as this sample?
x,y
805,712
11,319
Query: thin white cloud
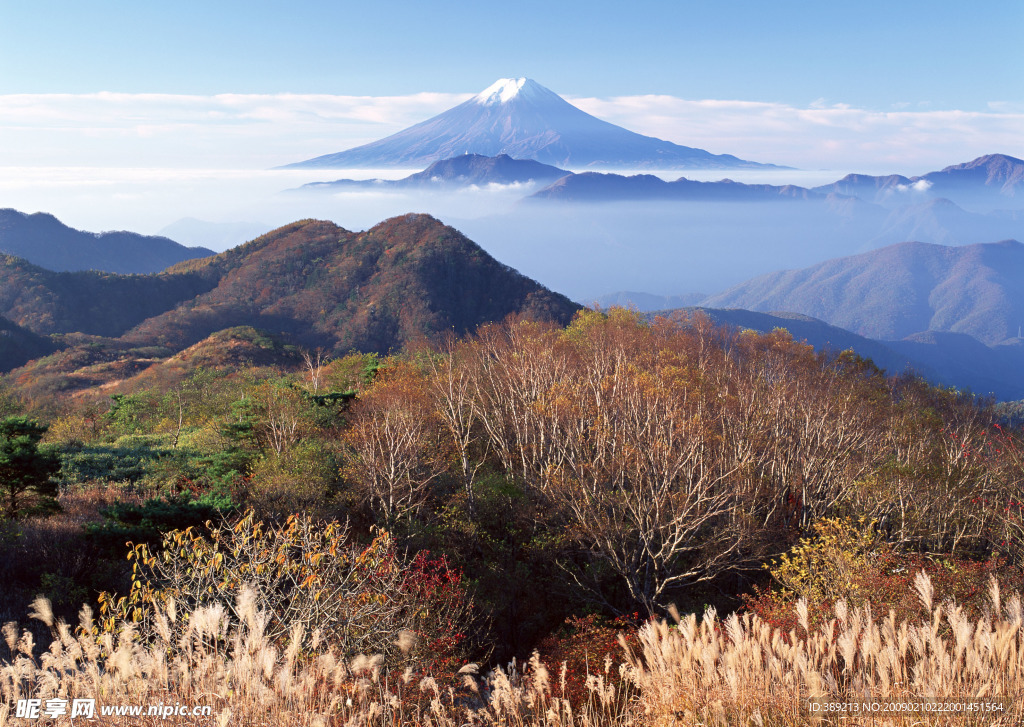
x,y
247,130
258,131
834,136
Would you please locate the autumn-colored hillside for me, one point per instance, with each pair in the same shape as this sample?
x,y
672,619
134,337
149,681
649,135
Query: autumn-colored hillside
x,y
102,304
372,291
309,283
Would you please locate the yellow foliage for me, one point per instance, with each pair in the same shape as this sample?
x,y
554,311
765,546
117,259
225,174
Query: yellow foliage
x,y
822,567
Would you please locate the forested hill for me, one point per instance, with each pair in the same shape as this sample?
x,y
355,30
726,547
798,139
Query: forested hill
x,y
316,283
104,304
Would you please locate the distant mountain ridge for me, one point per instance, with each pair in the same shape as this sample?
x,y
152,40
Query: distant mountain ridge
x,y
461,171
990,182
901,290
407,277
45,241
524,120
603,187
103,304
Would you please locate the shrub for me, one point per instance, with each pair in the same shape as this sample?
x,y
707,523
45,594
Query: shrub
x,y
845,561
587,647
303,574
133,523
831,564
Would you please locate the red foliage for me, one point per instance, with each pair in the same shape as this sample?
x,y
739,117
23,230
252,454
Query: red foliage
x,y
448,613
587,645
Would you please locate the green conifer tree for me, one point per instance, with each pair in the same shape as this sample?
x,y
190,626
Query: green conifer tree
x,y
27,486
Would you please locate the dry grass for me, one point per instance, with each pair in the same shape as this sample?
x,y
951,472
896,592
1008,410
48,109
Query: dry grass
x,y
741,672
694,672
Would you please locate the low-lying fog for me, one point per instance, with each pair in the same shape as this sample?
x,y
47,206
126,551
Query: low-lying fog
x,y
584,251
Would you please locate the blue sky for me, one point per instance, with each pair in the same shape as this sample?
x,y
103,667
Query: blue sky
x,y
133,114
874,55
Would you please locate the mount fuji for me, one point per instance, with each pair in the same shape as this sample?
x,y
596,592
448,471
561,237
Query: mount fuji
x,y
525,120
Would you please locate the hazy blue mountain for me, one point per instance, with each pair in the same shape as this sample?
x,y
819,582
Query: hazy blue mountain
x,y
460,171
997,177
894,208
597,187
587,249
897,291
524,120
943,222
44,241
646,301
991,182
960,360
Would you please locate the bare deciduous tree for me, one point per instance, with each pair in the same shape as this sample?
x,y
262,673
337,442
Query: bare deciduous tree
x,y
395,444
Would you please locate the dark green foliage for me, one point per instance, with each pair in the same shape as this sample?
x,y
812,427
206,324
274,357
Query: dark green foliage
x,y
509,549
107,463
145,523
128,412
153,466
27,484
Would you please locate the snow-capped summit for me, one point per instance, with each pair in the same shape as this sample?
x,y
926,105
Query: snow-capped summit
x,y
523,119
504,90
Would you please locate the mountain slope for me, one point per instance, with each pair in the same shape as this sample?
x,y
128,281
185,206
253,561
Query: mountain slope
x,y
961,360
943,222
1000,173
460,171
321,285
901,290
19,345
103,304
524,120
43,240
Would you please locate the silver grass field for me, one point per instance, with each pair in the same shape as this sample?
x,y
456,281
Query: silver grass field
x,y
688,671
